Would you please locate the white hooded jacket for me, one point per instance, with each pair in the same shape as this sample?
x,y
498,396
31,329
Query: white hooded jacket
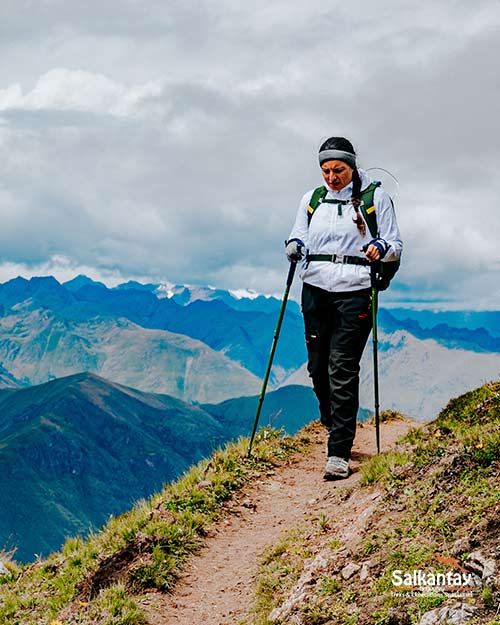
x,y
333,231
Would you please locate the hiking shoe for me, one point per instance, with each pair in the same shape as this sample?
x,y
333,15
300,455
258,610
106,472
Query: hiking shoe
x,y
336,468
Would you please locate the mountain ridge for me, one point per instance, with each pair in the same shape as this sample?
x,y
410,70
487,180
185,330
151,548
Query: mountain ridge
x,y
39,345
64,442
141,304
242,335
77,449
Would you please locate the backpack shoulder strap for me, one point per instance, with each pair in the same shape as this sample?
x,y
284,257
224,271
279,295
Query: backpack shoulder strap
x,y
368,207
317,197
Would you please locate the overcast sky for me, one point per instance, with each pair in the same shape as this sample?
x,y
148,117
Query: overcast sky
x,y
173,140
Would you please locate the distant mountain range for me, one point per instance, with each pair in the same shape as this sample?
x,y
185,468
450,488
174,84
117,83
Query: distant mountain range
x,y
239,327
243,336
184,295
77,449
39,345
476,339
417,377
462,319
205,345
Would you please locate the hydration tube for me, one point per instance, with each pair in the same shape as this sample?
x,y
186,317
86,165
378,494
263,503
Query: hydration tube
x,y
389,181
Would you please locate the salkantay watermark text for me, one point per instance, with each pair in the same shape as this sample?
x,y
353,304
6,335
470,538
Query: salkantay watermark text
x,y
458,582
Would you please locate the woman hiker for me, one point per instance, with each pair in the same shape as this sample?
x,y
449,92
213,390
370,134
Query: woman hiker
x,y
337,249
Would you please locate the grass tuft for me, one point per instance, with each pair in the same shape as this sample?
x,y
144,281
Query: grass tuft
x,y
386,416
382,467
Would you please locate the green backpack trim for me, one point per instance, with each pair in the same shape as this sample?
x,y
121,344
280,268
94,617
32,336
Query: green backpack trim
x,y
386,270
367,207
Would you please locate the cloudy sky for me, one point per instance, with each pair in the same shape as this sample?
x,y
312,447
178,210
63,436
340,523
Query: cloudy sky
x,y
172,140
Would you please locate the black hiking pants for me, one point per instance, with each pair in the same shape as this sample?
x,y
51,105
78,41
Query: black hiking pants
x,y
337,326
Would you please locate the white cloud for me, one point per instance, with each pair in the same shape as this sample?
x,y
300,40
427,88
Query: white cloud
x,y
175,140
69,90
64,269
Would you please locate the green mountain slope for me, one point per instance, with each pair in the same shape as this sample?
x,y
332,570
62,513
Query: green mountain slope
x,y
77,449
289,407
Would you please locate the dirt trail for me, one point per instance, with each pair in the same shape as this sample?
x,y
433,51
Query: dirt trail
x,y
216,585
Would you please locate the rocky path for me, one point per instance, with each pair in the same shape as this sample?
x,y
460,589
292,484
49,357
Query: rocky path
x,y
216,585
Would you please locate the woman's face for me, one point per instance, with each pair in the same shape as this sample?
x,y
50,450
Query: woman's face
x,y
337,174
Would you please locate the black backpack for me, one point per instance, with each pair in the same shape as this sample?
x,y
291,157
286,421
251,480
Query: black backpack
x,y
385,271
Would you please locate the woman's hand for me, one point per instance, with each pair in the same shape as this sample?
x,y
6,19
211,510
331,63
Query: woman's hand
x,y
375,250
372,253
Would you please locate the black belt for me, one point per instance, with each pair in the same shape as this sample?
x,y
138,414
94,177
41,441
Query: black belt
x,y
339,258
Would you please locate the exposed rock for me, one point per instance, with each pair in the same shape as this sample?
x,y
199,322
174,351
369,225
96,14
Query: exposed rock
x,y
150,360
480,565
489,526
204,485
403,471
457,614
337,560
303,591
460,546
364,573
248,503
160,512
349,570
3,569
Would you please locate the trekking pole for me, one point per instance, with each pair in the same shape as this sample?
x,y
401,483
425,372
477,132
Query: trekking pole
x,y
373,277
289,280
